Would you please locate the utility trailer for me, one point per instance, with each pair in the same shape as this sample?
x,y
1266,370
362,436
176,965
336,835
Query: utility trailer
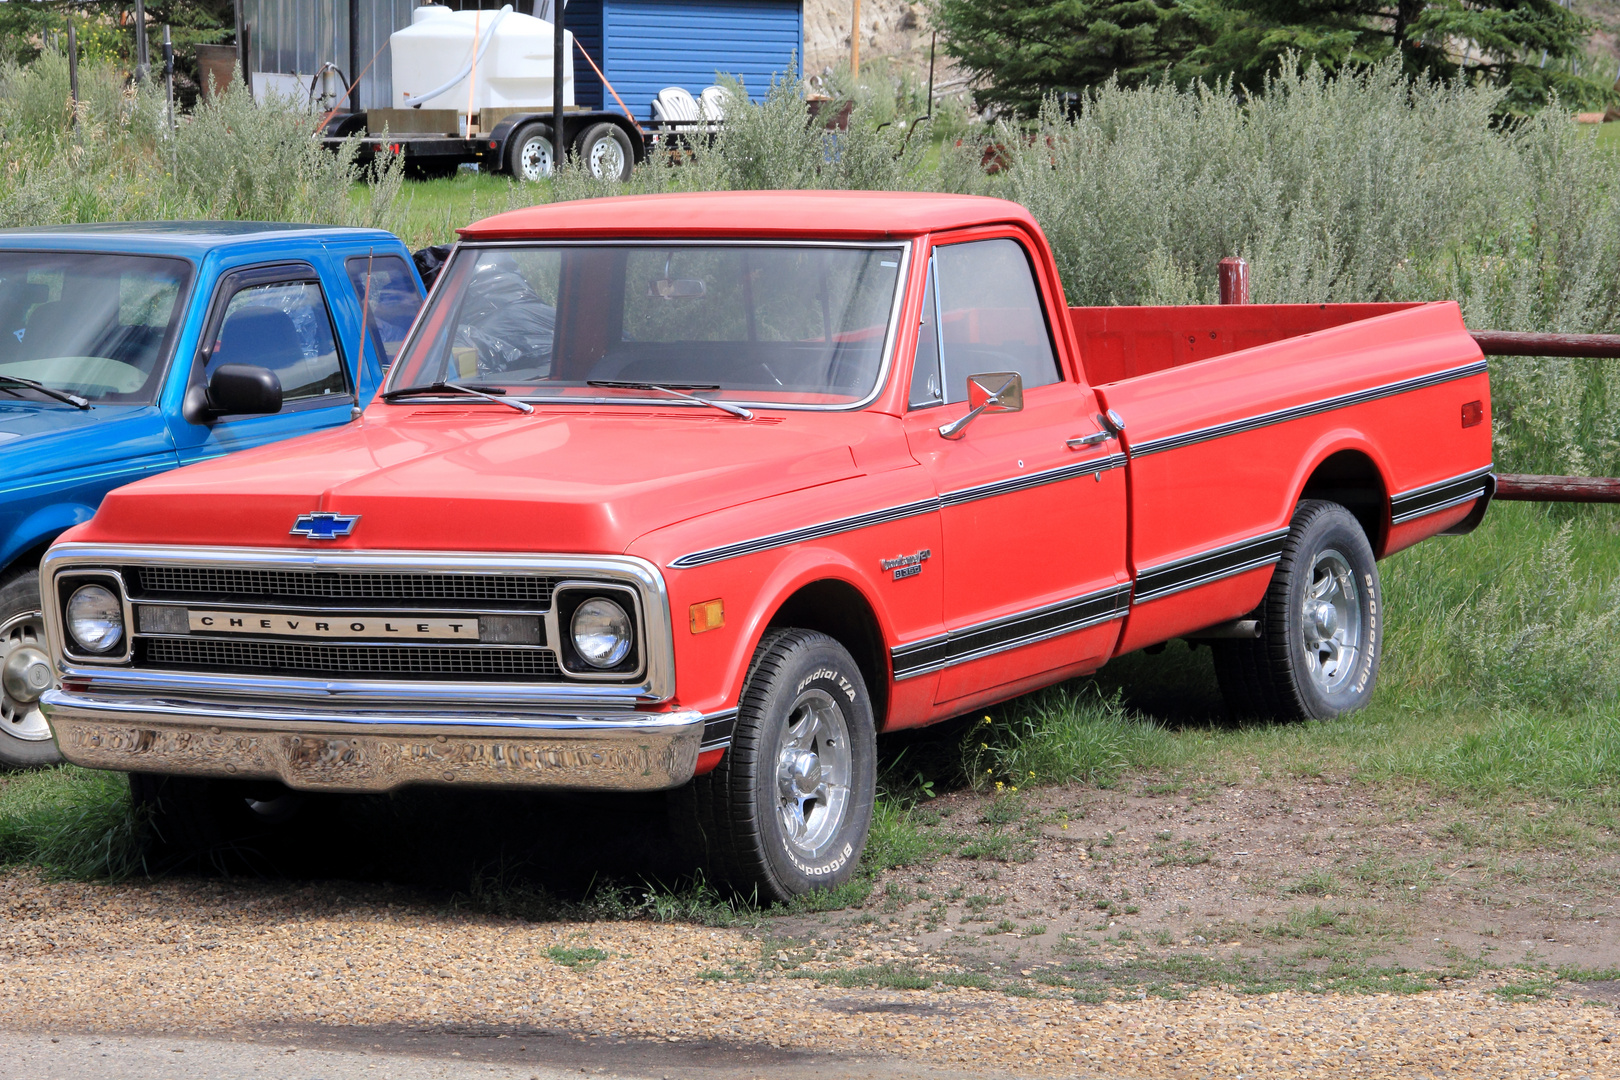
x,y
517,142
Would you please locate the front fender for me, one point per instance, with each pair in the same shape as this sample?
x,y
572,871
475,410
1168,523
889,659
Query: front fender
x,y
40,528
797,568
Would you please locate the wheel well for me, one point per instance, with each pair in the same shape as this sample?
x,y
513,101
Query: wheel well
x,y
837,609
24,560
1350,479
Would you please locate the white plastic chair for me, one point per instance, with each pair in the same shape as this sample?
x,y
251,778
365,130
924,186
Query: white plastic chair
x,y
713,101
675,105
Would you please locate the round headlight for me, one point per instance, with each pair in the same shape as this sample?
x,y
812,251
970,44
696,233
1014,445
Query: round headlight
x,y
95,618
602,633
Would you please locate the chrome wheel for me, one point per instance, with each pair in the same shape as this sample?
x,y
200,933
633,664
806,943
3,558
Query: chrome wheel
x,y
25,674
606,158
813,774
534,159
1331,621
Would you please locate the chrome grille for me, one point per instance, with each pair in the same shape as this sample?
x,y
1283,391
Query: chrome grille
x,y
374,661
216,581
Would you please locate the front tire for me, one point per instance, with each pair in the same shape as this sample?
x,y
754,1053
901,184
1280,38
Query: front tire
x,y
789,807
25,674
1321,626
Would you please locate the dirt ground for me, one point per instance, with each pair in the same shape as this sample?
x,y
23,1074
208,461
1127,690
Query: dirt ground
x,y
1260,881
1267,929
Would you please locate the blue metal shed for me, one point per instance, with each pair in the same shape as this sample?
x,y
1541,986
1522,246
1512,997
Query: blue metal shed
x,y
643,46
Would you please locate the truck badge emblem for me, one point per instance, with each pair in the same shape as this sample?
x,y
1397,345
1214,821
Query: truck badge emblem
x,y
324,526
905,566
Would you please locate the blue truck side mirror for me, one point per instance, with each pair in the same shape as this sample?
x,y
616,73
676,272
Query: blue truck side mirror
x,y
235,390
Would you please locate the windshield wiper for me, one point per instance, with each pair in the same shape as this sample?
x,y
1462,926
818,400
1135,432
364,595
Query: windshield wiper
x,y
676,390
60,395
488,393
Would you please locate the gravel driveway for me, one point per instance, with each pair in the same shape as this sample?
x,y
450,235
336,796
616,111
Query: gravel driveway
x,y
369,967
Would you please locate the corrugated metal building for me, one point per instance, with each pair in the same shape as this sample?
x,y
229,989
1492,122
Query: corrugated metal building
x,y
642,46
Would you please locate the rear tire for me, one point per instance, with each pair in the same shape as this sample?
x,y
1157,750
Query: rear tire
x,y
789,807
528,152
25,673
1321,626
607,153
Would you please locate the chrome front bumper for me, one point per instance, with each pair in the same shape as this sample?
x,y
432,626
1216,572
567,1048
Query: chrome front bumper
x,y
323,749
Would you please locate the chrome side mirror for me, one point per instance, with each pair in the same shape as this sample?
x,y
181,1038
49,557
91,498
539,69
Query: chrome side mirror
x,y
993,391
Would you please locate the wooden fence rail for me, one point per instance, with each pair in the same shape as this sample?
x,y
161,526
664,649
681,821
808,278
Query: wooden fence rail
x,y
1526,487
1511,487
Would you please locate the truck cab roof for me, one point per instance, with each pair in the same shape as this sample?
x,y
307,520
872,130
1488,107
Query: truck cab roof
x,y
823,215
192,238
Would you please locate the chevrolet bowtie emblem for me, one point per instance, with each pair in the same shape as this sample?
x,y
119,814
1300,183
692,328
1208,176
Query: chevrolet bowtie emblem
x,y
324,526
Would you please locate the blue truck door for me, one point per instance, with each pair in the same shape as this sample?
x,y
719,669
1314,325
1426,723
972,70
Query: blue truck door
x,y
279,316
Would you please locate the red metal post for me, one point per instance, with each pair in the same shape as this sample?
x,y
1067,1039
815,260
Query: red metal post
x,y
1234,281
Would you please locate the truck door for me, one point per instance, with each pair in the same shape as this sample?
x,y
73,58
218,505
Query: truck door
x,y
1033,502
276,317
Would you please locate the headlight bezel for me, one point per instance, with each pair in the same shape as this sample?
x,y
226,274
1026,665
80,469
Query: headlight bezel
x,y
68,583
567,598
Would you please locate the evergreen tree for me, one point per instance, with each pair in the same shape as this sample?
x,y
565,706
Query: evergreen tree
x,y
1531,48
1023,50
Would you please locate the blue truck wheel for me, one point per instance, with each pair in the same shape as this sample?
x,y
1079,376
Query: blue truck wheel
x,y
25,673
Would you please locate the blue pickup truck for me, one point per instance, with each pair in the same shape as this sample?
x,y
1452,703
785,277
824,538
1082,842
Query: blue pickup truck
x,y
127,350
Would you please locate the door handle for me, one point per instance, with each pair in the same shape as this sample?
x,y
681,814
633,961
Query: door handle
x,y
1093,439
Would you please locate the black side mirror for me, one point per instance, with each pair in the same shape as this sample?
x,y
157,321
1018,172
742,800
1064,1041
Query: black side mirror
x,y
236,389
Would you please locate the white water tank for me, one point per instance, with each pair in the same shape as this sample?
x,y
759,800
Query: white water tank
x,y
514,69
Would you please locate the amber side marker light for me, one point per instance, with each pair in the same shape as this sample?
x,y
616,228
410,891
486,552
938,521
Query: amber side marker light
x,y
1473,413
709,615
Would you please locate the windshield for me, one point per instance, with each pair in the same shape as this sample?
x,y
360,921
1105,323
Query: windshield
x,y
98,326
795,325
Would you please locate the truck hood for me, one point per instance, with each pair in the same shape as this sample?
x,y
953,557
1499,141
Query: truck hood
x,y
485,479
40,438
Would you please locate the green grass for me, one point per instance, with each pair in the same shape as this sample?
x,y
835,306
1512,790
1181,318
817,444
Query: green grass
x,y
434,209
576,958
71,823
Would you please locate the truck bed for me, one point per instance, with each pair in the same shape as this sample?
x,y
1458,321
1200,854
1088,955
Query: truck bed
x,y
1118,343
1229,409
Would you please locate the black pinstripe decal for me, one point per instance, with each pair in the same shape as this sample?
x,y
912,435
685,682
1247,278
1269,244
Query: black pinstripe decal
x,y
1189,573
895,513
1432,498
1282,416
1010,632
717,728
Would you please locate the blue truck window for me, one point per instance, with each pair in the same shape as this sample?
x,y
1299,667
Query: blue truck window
x,y
283,326
100,326
391,303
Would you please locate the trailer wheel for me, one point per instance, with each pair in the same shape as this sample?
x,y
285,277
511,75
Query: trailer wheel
x,y
528,152
788,808
25,673
606,151
1321,625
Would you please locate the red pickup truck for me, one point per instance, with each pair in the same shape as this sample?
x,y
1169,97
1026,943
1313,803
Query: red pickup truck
x,y
702,492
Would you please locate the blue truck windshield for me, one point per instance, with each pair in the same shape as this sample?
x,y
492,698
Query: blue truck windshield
x,y
95,325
